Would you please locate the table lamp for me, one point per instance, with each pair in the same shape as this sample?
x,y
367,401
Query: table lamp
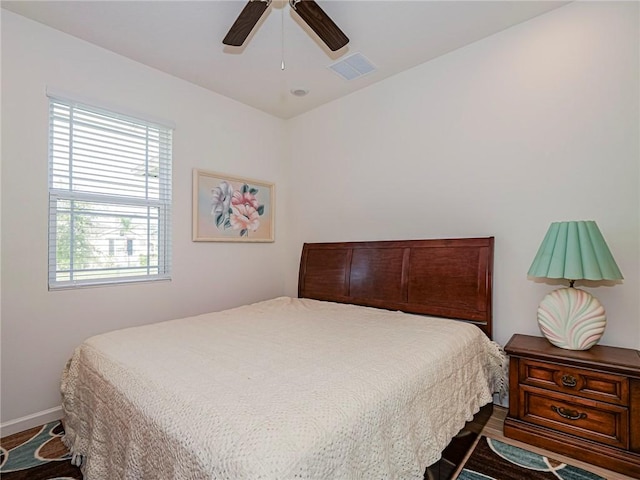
x,y
568,317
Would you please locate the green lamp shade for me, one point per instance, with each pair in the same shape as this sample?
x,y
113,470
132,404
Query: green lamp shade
x,y
574,251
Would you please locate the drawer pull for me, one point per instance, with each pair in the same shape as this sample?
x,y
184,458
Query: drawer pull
x,y
568,414
569,381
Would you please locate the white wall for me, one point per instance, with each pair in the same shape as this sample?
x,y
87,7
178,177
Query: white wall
x,y
535,124
41,328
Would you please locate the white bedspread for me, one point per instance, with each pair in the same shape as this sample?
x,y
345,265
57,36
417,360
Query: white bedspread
x,y
282,389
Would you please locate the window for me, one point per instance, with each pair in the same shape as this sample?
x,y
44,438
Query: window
x,y
109,178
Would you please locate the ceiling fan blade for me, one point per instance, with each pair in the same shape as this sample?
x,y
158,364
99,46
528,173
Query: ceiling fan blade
x,y
245,22
320,23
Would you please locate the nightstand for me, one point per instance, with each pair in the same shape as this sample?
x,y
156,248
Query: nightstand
x,y
583,404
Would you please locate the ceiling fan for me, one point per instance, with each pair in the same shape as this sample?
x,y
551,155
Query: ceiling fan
x,y
308,10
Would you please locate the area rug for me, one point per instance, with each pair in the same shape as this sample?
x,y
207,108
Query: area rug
x,y
37,454
492,459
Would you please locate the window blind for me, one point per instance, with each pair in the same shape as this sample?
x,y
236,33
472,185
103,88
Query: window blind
x,y
109,197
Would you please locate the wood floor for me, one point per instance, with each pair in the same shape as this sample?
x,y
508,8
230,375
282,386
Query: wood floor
x,y
493,429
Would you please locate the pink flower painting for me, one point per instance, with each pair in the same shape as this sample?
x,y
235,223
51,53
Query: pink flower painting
x,y
236,209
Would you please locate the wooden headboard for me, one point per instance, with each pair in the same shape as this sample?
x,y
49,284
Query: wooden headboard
x,y
449,278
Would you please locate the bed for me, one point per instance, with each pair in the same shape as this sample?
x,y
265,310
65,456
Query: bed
x,y
369,373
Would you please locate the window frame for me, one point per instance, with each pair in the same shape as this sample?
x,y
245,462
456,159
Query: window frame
x,y
162,204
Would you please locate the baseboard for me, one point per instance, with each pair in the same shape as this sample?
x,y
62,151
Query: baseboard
x,y
30,421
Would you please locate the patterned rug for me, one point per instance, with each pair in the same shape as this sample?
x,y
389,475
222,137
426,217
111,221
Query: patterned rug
x,y
492,459
37,454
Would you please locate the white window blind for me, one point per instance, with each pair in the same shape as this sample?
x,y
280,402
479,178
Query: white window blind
x,y
109,197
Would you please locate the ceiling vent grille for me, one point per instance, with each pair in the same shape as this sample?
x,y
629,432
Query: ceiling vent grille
x,y
353,66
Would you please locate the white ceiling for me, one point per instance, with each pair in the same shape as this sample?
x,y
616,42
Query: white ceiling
x,y
184,39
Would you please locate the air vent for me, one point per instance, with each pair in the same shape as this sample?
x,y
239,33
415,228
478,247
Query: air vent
x,y
353,66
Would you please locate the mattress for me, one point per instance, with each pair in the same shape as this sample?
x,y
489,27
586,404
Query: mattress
x,y
282,389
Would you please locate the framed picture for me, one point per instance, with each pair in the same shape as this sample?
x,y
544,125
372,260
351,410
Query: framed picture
x,y
232,209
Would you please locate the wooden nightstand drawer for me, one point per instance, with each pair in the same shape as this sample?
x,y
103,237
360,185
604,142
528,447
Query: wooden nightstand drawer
x,y
575,381
597,421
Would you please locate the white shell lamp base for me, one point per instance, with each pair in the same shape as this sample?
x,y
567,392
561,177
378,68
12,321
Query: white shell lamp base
x,y
572,319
